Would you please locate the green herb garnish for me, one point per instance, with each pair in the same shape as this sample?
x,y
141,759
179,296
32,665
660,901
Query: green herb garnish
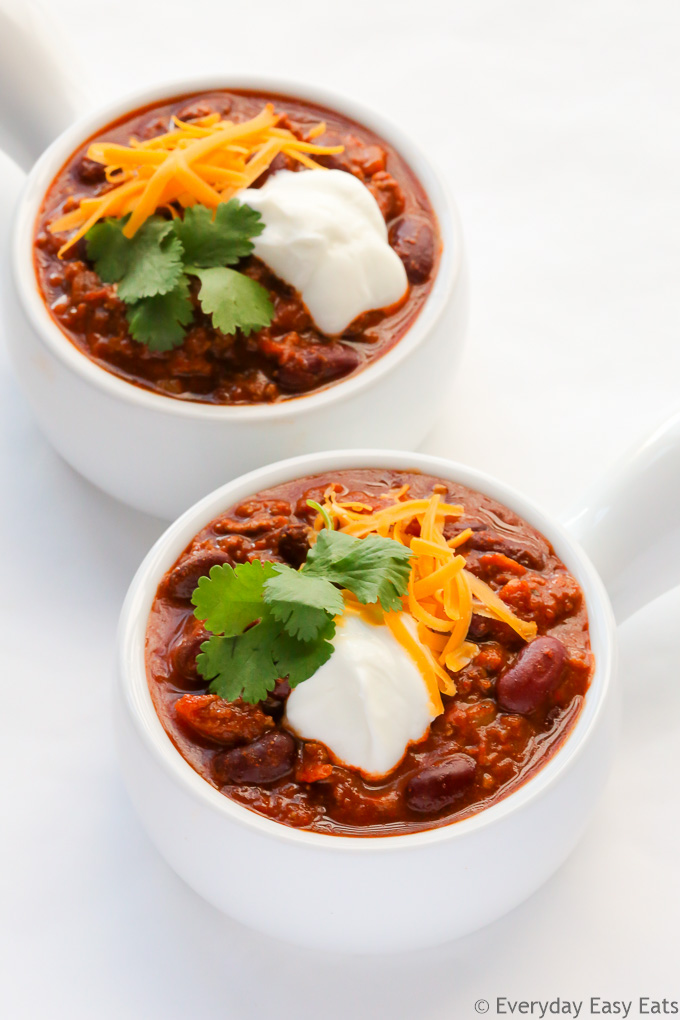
x,y
220,239
233,299
152,271
159,321
269,621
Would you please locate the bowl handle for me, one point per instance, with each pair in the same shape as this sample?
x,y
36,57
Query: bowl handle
x,y
39,83
629,523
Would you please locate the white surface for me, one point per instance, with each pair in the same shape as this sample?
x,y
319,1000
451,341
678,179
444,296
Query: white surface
x,y
367,702
557,127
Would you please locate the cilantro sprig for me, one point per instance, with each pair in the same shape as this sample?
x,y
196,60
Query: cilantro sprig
x,y
269,621
152,271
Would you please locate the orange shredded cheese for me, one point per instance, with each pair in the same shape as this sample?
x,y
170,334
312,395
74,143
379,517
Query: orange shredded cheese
x,y
442,595
489,604
421,655
203,162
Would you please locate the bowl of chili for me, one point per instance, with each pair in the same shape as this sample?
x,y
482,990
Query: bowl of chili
x,y
157,402
377,863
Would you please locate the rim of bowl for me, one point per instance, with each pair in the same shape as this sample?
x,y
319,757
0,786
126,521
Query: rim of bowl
x,y
51,161
135,613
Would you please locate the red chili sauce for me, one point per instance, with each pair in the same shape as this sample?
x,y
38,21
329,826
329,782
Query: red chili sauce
x,y
474,755
290,356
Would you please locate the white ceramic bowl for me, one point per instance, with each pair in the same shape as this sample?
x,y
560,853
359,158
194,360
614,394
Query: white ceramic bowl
x,y
368,894
363,894
160,454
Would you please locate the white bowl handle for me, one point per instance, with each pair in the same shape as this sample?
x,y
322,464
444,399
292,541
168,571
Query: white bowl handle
x,y
629,524
39,84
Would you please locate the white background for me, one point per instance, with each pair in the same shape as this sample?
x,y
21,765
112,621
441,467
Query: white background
x,y
556,124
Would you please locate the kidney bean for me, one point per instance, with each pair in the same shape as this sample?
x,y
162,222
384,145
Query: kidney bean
x,y
436,786
181,582
413,241
263,761
184,652
534,675
275,702
302,365
294,544
225,722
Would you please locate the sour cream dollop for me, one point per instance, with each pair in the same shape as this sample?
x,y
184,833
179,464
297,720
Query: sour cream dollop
x,y
325,236
367,702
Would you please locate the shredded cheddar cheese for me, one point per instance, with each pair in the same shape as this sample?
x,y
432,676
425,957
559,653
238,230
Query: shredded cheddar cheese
x,y
206,161
442,595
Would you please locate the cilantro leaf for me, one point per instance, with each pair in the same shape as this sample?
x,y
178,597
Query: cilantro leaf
x,y
108,247
299,660
147,264
229,599
218,240
159,321
373,568
246,663
303,604
249,665
155,262
234,300
242,666
151,266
